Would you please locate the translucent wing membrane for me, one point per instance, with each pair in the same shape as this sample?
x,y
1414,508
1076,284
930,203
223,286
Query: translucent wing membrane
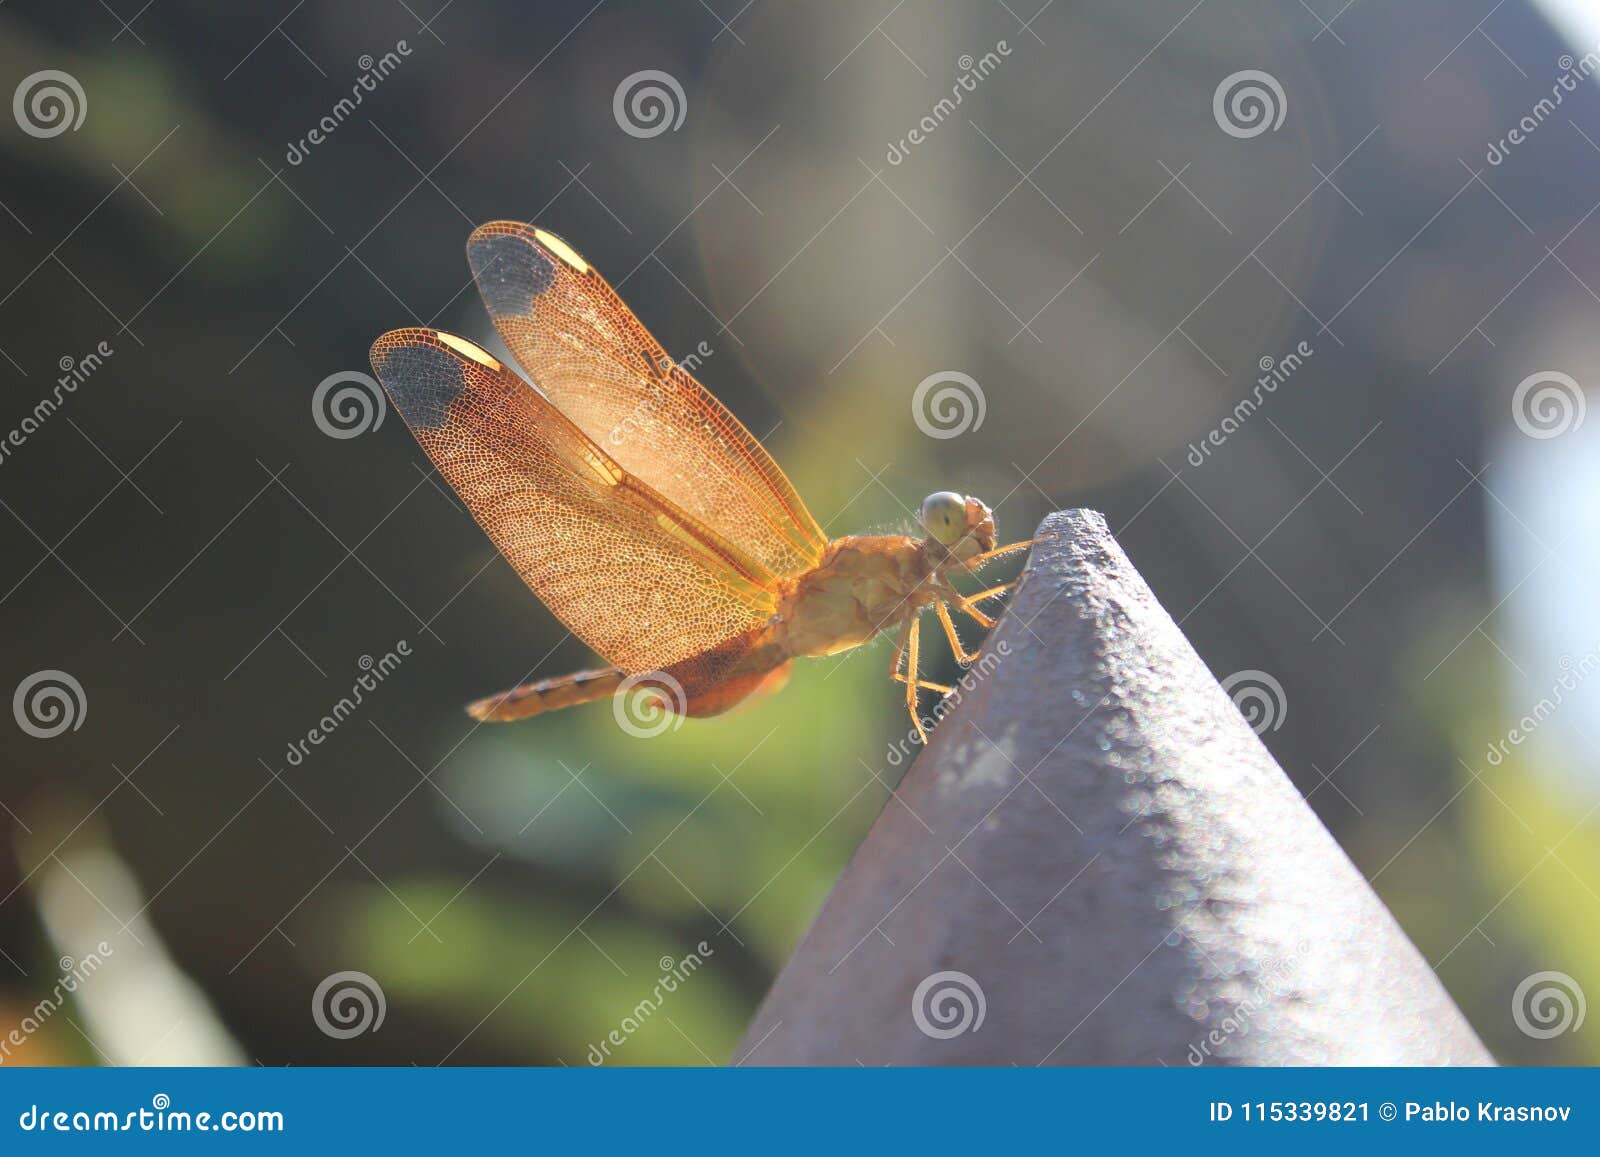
x,y
590,356
640,580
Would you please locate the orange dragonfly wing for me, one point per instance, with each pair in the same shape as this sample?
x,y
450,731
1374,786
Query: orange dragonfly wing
x,y
640,581
585,350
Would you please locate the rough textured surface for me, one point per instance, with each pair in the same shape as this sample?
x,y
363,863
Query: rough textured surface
x,y
1098,840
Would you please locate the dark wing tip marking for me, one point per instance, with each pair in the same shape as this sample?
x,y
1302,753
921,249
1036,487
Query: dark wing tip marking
x,y
421,379
510,269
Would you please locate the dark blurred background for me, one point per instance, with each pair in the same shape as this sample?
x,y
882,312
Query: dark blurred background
x,y
1396,549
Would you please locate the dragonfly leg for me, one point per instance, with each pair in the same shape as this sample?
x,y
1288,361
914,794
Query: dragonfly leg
x,y
909,645
978,560
991,592
900,646
968,604
913,637
963,656
899,650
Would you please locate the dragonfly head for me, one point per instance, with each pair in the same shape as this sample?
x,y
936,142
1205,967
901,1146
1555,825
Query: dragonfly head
x,y
960,526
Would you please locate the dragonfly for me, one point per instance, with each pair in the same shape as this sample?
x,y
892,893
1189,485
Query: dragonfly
x,y
642,512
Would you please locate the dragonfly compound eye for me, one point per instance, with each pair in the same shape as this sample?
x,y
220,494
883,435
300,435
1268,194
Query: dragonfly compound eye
x,y
944,516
